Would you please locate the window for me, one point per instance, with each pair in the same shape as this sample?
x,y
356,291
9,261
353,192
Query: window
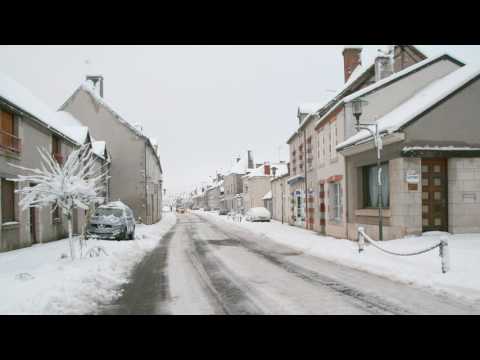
x,y
8,201
335,209
333,140
321,147
370,186
8,132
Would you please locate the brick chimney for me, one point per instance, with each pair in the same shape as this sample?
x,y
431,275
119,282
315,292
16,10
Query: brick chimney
x,y
266,169
351,59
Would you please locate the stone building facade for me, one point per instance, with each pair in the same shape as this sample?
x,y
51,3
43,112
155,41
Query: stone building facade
x,y
136,171
431,154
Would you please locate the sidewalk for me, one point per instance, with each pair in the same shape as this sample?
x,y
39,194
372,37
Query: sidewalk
x,y
422,270
35,280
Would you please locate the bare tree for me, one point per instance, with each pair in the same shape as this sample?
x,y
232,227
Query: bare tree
x,y
75,184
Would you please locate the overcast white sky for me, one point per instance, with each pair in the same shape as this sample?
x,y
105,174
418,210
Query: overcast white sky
x,y
204,104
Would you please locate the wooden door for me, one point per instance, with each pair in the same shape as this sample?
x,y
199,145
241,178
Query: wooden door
x,y
33,229
434,195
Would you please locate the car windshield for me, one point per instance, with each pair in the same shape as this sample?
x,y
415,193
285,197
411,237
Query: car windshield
x,y
108,212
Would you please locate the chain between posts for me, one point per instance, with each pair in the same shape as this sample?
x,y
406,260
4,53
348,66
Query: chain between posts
x,y
442,245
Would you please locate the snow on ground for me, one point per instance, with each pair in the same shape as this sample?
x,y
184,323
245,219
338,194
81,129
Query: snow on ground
x,y
422,270
35,280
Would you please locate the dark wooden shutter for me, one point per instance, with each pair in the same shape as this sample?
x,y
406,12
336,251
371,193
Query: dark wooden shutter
x,y
7,128
8,201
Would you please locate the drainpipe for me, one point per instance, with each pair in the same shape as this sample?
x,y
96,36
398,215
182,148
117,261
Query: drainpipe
x,y
305,169
145,174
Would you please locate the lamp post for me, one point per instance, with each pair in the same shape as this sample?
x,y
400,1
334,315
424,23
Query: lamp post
x,y
357,105
274,171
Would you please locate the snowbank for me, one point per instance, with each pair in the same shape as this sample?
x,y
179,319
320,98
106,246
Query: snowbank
x,y
35,280
423,270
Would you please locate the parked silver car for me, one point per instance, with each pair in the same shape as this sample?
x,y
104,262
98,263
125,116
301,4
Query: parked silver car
x,y
113,221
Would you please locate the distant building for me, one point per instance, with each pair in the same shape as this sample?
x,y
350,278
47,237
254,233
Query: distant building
x,y
256,184
233,182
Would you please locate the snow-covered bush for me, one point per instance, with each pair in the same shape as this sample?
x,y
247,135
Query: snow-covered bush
x,y
75,184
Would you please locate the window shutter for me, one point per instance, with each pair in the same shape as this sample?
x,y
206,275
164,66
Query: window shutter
x,y
8,201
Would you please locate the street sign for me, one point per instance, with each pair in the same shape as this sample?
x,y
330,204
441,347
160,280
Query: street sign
x,y
412,177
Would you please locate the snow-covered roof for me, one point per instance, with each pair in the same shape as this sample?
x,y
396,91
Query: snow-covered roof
x,y
71,126
307,108
98,148
359,71
88,87
281,170
267,196
19,96
418,103
295,178
397,75
115,204
240,167
439,148
260,171
387,80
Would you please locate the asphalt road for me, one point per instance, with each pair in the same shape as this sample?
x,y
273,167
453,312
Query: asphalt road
x,y
202,267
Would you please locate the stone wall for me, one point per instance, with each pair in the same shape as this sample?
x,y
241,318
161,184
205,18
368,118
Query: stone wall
x,y
463,195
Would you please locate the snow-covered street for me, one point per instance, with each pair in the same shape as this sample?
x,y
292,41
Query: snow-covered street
x,y
422,270
208,266
35,280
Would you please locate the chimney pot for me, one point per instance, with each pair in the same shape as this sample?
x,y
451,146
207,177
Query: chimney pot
x,y
94,79
266,169
383,67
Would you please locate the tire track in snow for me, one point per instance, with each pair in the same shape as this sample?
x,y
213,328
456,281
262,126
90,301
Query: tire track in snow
x,y
229,293
370,303
148,290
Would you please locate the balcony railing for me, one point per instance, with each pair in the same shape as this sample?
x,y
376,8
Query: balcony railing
x,y
58,157
10,142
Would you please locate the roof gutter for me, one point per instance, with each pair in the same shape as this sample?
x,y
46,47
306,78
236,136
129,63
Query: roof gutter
x,y
368,144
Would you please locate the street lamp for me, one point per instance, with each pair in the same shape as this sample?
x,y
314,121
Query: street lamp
x,y
274,171
357,108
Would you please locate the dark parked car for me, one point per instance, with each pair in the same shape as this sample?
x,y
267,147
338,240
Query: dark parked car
x,y
223,212
113,221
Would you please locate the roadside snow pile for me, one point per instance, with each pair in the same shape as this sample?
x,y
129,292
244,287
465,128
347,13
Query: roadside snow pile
x,y
37,280
422,270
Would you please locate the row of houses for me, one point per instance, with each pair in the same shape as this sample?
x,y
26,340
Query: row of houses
x,y
244,186
85,119
427,113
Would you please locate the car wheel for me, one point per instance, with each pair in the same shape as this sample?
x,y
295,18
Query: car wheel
x,y
123,235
